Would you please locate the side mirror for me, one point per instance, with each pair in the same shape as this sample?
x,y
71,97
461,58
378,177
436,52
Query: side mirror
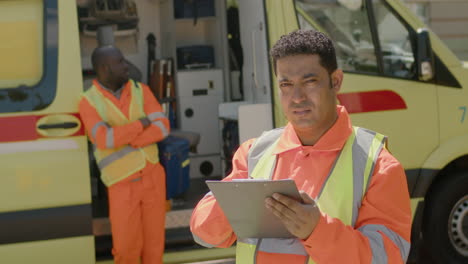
x,y
424,58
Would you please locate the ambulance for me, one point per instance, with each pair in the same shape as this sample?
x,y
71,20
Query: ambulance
x,y
400,79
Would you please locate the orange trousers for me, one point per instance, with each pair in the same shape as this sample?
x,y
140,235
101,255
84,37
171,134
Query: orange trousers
x,y
137,215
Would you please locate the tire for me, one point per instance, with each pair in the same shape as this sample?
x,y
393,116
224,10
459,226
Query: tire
x,y
445,227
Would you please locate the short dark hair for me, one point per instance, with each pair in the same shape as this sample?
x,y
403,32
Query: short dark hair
x,y
306,42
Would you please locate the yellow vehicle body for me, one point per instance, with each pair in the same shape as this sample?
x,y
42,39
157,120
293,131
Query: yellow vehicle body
x,y
45,209
45,194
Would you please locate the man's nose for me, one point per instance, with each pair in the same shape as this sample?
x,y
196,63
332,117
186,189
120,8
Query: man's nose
x,y
298,93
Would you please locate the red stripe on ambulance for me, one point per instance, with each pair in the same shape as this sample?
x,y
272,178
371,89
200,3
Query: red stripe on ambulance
x,y
23,128
364,102
18,128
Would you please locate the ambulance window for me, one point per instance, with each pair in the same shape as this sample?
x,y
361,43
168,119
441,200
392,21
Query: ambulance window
x,y
28,54
347,24
395,43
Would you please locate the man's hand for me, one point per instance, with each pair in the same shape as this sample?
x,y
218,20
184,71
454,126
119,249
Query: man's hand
x,y
145,122
299,218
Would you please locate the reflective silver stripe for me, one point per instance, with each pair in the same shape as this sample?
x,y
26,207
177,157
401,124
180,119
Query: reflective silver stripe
x,y
208,194
371,172
360,150
95,128
260,146
115,156
200,241
379,255
400,242
250,241
277,245
273,167
110,138
283,246
155,115
203,243
162,127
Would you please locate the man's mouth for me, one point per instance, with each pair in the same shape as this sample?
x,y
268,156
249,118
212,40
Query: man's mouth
x,y
301,112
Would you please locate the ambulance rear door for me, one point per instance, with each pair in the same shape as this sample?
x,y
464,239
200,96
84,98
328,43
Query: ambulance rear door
x,y
45,197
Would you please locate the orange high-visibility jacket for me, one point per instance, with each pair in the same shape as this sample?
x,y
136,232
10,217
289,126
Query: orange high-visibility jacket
x,y
386,202
136,203
133,133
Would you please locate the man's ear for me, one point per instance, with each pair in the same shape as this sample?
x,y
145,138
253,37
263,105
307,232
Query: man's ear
x,y
337,80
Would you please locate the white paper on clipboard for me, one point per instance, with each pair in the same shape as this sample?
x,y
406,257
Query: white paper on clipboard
x,y
243,203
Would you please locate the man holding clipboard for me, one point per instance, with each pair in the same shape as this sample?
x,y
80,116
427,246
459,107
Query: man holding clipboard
x,y
355,204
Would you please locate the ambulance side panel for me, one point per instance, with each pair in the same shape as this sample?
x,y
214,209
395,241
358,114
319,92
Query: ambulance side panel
x,y
45,208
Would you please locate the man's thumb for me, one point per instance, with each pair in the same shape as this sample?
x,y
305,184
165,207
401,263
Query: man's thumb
x,y
306,198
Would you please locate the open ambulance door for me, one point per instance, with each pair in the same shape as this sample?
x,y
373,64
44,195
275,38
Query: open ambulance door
x,y
45,208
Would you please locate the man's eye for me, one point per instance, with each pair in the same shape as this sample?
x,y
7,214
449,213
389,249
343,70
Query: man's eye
x,y
284,85
310,81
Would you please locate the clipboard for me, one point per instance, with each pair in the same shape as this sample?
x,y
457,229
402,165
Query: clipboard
x,y
243,203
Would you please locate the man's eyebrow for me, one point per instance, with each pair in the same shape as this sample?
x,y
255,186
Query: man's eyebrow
x,y
309,75
305,76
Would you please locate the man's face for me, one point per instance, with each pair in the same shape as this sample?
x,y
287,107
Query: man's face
x,y
307,91
117,68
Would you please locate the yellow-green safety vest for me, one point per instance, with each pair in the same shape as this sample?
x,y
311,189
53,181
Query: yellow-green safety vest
x,y
340,196
116,164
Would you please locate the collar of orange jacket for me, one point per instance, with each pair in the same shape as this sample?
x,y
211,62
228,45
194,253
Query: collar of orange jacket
x,y
106,91
332,140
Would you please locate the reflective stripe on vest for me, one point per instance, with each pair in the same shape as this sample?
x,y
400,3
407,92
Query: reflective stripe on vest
x,y
379,255
118,163
353,167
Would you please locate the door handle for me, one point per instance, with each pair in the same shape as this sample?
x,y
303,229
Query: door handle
x,y
64,125
58,125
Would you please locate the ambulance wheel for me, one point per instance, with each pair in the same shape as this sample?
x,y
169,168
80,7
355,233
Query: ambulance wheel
x,y
445,229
